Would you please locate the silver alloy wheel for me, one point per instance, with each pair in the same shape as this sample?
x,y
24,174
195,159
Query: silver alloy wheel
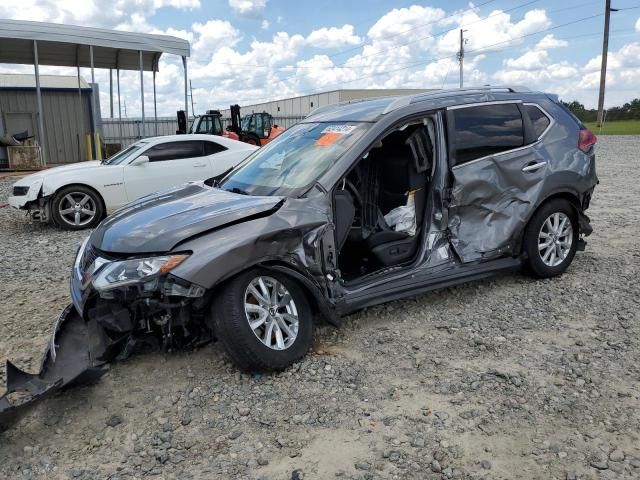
x,y
555,239
77,209
271,312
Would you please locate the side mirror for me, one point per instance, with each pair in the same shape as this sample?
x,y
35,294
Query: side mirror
x,y
141,160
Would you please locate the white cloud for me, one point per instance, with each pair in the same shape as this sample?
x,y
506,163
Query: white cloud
x,y
91,13
549,41
401,50
211,37
248,8
333,37
638,25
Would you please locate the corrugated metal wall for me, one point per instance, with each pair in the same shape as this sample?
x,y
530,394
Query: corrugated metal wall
x,y
132,130
66,121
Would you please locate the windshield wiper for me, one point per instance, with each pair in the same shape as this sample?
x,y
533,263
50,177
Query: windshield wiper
x,y
237,190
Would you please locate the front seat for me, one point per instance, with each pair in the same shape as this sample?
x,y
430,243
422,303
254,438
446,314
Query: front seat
x,y
344,214
398,176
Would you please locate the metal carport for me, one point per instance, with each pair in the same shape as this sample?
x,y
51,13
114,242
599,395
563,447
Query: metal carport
x,y
40,43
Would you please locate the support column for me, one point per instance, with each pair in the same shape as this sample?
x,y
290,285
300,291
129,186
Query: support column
x,y
119,105
94,147
110,93
186,94
39,100
118,82
155,104
142,91
81,110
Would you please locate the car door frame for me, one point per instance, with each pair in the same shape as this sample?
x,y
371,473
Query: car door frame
x,y
495,219
433,254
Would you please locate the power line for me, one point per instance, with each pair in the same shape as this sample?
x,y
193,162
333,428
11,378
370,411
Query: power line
x,y
421,62
393,47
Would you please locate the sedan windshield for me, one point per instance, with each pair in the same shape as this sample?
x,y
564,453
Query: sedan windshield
x,y
292,163
125,154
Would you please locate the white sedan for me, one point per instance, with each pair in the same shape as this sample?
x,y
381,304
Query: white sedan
x,y
79,195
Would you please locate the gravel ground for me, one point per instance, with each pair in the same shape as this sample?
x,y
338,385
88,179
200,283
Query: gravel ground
x,y
505,378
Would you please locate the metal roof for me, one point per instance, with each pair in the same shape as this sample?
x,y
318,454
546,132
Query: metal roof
x,y
68,45
21,80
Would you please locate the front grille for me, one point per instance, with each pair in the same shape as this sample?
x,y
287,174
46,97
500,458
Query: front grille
x,y
20,191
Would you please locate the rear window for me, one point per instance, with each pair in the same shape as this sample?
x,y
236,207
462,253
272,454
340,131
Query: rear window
x,y
486,130
538,119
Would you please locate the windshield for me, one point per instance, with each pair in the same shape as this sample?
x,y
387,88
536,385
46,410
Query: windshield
x,y
291,164
245,123
125,154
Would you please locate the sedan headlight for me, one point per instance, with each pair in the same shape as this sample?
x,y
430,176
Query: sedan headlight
x,y
137,270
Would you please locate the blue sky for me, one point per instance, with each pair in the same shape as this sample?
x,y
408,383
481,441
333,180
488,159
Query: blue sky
x,y
252,50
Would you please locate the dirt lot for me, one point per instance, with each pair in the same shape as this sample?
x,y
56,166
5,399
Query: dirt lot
x,y
506,378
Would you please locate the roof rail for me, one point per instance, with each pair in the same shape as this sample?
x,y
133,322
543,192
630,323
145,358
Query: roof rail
x,y
409,99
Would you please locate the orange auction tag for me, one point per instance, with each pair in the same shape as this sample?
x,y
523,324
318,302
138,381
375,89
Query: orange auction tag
x,y
327,139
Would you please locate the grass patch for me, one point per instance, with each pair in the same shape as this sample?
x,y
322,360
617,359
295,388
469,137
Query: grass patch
x,y
617,127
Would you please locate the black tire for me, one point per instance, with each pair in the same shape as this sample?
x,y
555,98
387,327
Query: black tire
x,y
232,327
535,263
79,193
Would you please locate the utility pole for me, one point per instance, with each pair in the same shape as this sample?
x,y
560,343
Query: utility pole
x,y
605,50
461,55
193,112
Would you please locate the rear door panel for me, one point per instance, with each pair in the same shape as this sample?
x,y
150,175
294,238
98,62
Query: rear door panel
x,y
491,201
492,198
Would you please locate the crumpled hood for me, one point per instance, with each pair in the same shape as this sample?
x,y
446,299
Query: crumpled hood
x,y
29,179
158,222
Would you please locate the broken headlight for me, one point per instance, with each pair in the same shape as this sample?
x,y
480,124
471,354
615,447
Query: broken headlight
x,y
136,271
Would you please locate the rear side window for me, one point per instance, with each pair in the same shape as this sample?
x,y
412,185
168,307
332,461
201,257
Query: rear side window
x,y
175,151
212,147
538,119
487,130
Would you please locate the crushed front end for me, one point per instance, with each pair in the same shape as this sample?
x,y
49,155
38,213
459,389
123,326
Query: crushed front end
x,y
121,304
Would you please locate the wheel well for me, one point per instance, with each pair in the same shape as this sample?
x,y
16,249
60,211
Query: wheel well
x,y
570,197
84,185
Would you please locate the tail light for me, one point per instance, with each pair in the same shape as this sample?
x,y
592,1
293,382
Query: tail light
x,y
586,139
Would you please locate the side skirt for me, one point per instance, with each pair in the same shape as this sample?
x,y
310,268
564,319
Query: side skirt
x,y
414,285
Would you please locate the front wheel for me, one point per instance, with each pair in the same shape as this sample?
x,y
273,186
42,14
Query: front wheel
x,y
264,320
76,208
551,238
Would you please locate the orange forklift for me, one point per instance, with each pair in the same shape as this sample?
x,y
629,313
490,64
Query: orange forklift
x,y
255,128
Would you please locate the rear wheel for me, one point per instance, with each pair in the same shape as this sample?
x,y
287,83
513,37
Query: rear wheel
x,y
264,321
76,208
551,238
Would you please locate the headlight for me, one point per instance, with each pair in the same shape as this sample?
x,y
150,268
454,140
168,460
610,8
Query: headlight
x,y
137,270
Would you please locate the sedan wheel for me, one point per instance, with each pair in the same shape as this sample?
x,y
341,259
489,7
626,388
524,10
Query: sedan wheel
x,y
75,208
263,319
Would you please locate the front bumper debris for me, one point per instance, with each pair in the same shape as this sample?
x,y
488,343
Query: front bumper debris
x,y
67,361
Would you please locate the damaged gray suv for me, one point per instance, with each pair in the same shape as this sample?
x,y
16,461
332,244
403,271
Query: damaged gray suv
x,y
359,204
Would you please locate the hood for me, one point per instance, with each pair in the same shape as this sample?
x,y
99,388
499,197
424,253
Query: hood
x,y
29,179
158,222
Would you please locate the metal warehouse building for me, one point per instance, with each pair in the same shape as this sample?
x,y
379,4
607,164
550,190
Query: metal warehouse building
x,y
66,110
297,107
